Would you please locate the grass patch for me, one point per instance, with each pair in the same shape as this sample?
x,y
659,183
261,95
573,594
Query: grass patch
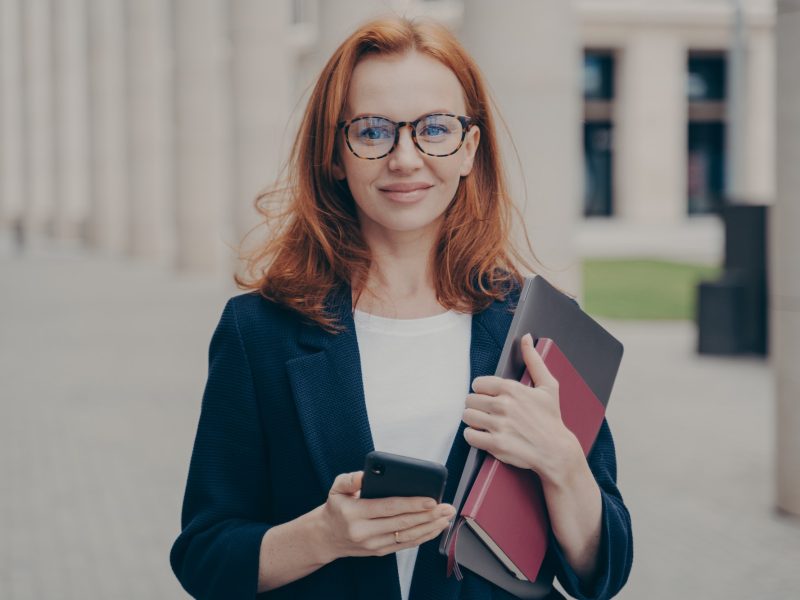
x,y
643,289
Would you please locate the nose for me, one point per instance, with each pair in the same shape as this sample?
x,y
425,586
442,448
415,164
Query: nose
x,y
406,156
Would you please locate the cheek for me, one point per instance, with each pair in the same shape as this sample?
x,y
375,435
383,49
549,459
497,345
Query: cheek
x,y
360,177
351,166
354,170
449,173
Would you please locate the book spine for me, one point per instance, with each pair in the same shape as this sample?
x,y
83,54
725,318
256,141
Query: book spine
x,y
482,483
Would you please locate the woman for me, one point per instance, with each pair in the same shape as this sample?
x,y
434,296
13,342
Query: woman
x,y
385,291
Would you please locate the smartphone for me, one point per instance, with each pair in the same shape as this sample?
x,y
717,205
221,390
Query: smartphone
x,y
388,475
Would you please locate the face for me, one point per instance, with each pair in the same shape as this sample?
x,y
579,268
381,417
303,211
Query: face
x,y
403,88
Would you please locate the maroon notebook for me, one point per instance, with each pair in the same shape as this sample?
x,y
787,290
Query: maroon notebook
x,y
505,506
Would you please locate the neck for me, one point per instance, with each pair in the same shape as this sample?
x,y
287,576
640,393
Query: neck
x,y
400,281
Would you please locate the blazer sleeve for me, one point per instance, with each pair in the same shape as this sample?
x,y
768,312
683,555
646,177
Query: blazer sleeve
x,y
616,542
225,503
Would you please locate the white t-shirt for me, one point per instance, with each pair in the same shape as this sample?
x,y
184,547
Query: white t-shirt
x,y
416,376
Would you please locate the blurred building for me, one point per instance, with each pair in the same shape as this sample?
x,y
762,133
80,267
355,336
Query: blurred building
x,y
657,88
147,127
784,250
679,114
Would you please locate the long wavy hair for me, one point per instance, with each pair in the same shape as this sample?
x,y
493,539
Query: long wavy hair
x,y
315,243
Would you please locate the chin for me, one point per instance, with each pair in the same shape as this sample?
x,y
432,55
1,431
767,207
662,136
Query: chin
x,y
420,224
414,218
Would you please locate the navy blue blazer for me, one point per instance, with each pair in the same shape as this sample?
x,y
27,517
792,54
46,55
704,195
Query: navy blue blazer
x,y
282,415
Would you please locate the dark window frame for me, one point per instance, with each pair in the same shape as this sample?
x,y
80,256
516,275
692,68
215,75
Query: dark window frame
x,y
598,120
706,131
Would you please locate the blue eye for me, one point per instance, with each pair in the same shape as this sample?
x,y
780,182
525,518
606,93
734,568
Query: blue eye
x,y
374,133
434,130
438,128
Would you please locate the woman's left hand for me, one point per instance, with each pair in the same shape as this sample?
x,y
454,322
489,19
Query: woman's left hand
x,y
521,425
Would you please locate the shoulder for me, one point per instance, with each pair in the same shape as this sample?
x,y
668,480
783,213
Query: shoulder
x,y
254,315
253,306
503,283
257,332
496,318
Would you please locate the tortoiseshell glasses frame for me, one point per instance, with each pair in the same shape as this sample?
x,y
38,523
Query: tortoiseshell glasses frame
x,y
465,124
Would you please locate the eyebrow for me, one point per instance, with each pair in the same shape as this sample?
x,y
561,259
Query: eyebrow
x,y
376,114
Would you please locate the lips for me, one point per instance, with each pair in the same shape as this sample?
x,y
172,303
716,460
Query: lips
x,y
405,187
406,192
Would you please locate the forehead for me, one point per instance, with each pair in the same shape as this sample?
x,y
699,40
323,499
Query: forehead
x,y
403,87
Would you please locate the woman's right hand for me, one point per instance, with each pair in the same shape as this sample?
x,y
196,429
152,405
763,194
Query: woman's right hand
x,y
366,526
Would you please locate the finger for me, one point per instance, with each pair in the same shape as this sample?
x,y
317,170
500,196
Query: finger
x,y
538,371
409,521
376,508
380,531
347,483
412,537
481,402
490,385
413,534
477,419
478,439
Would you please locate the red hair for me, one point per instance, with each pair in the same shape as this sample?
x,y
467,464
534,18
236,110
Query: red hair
x,y
315,242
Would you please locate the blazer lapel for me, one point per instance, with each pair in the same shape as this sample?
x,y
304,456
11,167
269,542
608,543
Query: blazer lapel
x,y
489,329
328,391
329,395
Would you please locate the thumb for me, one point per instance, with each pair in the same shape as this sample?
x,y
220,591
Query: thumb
x,y
537,369
347,483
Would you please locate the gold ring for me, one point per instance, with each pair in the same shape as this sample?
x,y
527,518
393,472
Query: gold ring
x,y
396,540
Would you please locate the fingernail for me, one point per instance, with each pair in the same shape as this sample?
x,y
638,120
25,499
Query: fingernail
x,y
430,503
527,338
447,511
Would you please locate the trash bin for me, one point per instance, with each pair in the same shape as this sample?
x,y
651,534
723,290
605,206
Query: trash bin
x,y
732,311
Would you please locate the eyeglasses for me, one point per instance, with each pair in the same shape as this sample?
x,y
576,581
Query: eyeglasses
x,y
436,134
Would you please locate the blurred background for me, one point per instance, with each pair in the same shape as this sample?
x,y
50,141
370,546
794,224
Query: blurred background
x,y
654,158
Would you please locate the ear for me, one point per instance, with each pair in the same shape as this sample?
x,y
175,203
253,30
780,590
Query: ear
x,y
470,147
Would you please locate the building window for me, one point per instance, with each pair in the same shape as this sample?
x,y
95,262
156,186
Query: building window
x,y
706,77
705,90
598,75
598,130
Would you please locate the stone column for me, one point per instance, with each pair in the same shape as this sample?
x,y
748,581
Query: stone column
x,y
72,118
534,73
109,212
150,130
38,116
203,134
338,20
759,150
12,140
650,129
262,94
784,253
334,22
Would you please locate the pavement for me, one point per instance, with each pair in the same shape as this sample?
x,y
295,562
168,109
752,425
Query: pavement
x,y
102,368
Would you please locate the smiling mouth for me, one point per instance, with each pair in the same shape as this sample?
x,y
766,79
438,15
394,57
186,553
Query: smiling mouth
x,y
411,196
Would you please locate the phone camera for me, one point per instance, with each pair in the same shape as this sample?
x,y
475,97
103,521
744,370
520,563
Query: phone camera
x,y
377,469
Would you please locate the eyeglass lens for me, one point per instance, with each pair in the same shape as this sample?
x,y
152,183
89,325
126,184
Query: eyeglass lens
x,y
437,135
